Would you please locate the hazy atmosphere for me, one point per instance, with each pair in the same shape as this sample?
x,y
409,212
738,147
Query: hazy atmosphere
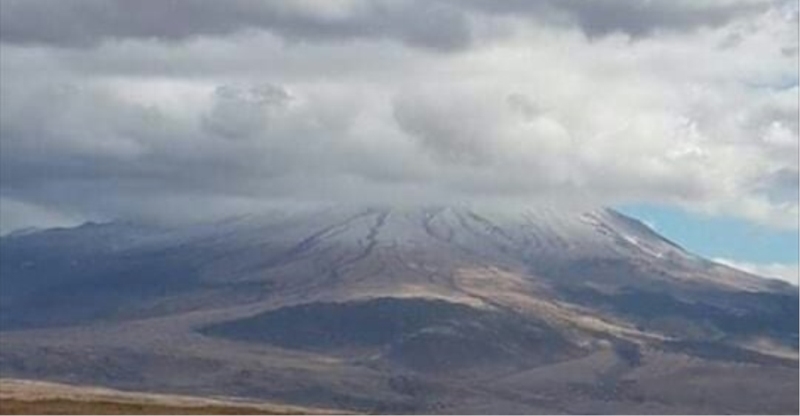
x,y
399,206
166,110
117,108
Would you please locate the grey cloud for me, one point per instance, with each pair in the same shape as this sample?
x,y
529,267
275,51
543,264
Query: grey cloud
x,y
448,132
240,112
17,213
88,22
524,105
634,17
90,152
781,186
222,125
435,24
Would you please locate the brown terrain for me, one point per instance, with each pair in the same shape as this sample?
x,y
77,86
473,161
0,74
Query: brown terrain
x,y
37,397
402,310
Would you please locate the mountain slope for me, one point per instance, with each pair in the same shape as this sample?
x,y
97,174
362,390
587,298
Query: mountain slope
x,y
36,397
404,309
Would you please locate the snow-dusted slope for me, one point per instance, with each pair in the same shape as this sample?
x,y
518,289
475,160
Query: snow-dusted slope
x,y
450,293
348,252
537,239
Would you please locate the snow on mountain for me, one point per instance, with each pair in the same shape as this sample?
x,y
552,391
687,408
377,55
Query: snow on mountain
x,y
445,295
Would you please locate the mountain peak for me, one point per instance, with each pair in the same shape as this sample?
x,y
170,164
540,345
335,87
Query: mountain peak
x,y
400,299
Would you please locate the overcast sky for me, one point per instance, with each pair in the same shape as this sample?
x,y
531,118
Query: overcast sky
x,y
164,109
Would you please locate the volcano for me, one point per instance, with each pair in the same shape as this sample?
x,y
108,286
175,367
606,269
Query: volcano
x,y
437,310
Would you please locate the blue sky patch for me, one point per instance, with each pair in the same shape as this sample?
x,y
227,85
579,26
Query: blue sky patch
x,y
719,237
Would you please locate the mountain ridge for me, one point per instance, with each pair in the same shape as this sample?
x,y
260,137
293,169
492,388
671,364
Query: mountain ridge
x,y
348,302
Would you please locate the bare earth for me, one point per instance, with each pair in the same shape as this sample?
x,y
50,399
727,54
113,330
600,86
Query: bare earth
x,y
38,397
431,310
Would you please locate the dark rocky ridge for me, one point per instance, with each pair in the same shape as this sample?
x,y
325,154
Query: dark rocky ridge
x,y
424,335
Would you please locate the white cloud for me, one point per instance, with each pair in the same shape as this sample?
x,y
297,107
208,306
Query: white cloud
x,y
696,113
16,215
785,272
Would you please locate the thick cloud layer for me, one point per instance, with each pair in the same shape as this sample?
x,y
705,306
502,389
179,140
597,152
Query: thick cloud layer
x,y
438,24
87,22
176,109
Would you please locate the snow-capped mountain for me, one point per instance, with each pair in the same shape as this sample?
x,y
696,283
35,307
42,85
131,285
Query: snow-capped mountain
x,y
395,308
